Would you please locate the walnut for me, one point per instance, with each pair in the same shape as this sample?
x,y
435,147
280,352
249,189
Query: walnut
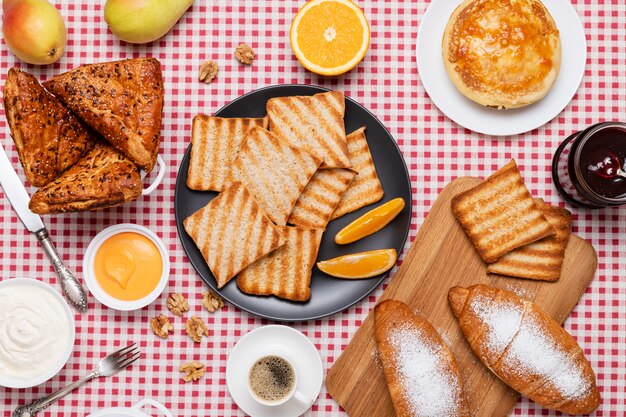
x,y
193,371
161,326
208,71
196,329
177,304
212,301
244,54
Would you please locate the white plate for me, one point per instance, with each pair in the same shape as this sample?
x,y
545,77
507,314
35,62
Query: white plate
x,y
302,352
492,121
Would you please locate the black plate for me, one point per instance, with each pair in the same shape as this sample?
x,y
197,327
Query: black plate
x,y
328,295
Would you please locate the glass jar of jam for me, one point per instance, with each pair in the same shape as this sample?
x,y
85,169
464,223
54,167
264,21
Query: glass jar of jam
x,y
588,167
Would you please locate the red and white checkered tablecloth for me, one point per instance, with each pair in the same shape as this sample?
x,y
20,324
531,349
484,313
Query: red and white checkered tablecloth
x,y
386,82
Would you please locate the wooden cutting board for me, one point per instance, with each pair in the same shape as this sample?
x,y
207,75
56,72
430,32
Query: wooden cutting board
x,y
441,257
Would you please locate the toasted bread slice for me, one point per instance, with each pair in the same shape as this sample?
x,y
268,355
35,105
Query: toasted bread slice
x,y
232,231
366,188
320,198
313,123
543,259
286,272
121,100
103,178
274,171
499,214
48,137
215,142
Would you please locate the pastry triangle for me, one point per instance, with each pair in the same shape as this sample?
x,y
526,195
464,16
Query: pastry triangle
x,y
121,100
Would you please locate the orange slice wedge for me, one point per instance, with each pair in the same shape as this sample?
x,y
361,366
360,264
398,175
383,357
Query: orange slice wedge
x,y
360,265
371,222
330,37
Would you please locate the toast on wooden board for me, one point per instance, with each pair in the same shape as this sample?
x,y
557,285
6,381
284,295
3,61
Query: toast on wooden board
x,y
320,198
543,259
525,348
48,137
500,215
275,172
232,231
215,142
104,177
365,188
121,100
313,123
421,372
286,272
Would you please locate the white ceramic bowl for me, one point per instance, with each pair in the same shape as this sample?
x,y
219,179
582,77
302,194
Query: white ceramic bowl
x,y
12,382
90,276
134,411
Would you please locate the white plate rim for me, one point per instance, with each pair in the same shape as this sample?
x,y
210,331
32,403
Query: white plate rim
x,y
486,120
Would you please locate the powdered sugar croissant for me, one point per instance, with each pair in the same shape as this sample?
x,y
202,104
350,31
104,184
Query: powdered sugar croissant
x,y
525,348
420,370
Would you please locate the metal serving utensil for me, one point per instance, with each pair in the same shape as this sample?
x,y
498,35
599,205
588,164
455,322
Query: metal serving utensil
x,y
17,195
108,366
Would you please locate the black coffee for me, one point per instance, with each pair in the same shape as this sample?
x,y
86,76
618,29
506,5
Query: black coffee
x,y
271,378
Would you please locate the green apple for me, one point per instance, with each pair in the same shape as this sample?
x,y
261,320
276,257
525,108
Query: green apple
x,y
33,30
143,21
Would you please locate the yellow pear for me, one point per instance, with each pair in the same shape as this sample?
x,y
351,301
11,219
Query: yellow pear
x,y
33,30
143,21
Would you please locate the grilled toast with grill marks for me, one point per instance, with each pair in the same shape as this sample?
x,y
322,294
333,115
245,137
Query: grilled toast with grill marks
x,y
215,142
121,100
366,188
274,172
543,259
500,215
48,137
286,272
313,123
320,198
232,231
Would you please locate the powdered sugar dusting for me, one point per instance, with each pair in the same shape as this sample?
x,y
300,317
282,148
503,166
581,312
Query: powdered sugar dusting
x,y
503,321
533,352
424,376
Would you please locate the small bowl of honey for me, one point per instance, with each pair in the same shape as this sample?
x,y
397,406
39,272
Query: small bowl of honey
x,y
126,267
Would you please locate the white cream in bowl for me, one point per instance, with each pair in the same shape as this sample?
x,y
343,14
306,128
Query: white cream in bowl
x,y
36,332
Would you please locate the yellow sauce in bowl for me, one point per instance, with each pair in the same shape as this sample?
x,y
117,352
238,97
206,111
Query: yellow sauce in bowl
x,y
128,266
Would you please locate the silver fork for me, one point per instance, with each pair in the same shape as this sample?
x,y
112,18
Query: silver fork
x,y
108,366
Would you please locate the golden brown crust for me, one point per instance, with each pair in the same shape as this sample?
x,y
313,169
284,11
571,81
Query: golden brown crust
x,y
499,214
432,387
48,137
502,53
525,348
102,178
121,100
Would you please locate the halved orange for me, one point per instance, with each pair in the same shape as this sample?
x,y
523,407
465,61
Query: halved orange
x,y
330,37
360,265
370,222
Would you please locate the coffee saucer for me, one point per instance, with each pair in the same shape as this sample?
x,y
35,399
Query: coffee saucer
x,y
306,361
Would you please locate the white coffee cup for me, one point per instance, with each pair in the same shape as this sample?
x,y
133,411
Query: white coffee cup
x,y
293,391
